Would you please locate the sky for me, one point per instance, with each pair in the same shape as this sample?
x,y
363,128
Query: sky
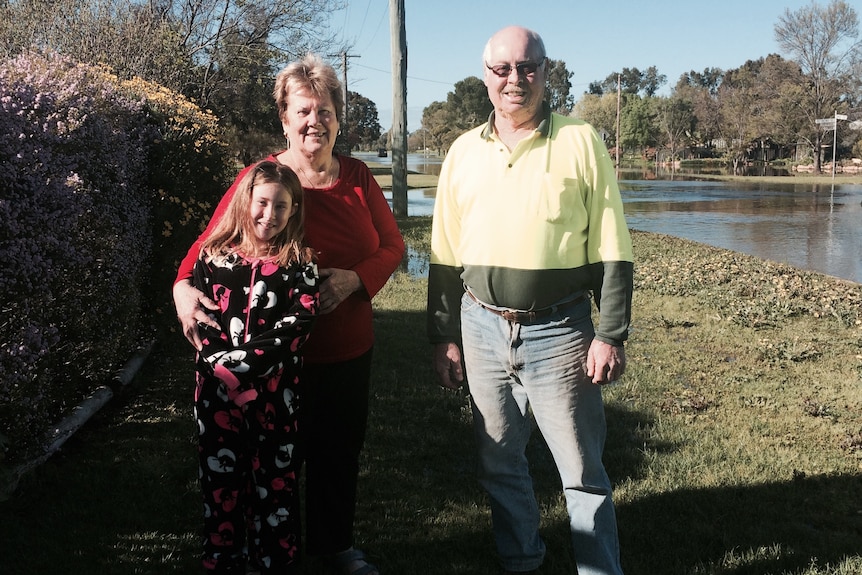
x,y
595,38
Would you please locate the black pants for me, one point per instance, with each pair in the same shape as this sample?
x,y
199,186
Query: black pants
x,y
333,420
249,476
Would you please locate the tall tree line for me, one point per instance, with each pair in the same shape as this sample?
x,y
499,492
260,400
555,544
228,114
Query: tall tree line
x,y
766,106
222,54
763,108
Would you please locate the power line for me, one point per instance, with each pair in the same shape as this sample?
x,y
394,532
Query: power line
x,y
389,72
364,18
379,22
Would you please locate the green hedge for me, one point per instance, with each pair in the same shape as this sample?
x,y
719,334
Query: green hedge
x,y
103,185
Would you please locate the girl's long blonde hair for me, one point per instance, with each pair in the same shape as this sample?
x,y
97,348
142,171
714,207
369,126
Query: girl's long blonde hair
x,y
234,232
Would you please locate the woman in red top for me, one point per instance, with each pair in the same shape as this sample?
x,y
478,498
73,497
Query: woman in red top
x,y
350,225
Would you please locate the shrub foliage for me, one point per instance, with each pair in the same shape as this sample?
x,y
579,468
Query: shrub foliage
x,y
101,182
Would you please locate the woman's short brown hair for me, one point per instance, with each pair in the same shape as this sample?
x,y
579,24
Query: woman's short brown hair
x,y
314,75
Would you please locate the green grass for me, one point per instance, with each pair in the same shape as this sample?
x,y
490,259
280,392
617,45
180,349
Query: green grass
x,y
414,179
735,441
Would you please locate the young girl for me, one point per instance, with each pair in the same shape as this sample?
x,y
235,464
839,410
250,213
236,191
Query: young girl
x,y
265,282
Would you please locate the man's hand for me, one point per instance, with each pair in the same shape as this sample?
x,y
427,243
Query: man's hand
x,y
448,366
335,286
606,363
188,301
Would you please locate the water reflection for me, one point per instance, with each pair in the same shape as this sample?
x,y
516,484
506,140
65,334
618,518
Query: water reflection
x,y
810,227
420,201
420,163
667,173
417,263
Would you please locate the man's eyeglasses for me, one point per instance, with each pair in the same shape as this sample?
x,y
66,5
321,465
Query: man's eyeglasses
x,y
523,69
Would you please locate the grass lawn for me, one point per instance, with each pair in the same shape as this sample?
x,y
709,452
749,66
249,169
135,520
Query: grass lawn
x,y
735,441
383,175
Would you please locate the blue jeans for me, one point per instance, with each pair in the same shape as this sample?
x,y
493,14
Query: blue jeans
x,y
515,368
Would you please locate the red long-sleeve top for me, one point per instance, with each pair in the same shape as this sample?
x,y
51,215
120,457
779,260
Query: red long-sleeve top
x,y
351,226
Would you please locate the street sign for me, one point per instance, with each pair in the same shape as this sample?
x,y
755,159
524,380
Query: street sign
x,y
840,117
827,123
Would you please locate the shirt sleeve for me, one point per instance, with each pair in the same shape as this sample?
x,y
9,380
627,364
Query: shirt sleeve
x,y
610,249
374,271
445,284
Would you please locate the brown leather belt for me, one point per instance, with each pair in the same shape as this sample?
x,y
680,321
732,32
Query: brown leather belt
x,y
529,316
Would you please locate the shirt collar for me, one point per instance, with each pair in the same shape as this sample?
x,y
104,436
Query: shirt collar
x,y
543,128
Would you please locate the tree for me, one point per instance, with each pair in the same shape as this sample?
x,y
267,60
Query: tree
x,y
133,38
598,111
217,34
779,86
633,81
596,89
418,139
709,79
222,54
745,108
701,89
468,105
675,117
245,107
629,80
823,42
740,105
363,123
558,86
652,81
435,120
637,129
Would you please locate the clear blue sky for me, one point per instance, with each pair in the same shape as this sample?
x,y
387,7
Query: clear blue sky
x,y
445,39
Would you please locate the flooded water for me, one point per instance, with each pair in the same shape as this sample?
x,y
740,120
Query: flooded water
x,y
812,227
424,164
809,227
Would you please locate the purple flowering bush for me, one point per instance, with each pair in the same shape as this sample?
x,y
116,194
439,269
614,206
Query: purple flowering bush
x,y
97,176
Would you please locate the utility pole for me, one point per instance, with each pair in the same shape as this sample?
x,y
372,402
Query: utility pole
x,y
398,40
345,140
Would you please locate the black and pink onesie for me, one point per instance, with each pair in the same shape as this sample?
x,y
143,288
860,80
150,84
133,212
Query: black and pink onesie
x,y
246,401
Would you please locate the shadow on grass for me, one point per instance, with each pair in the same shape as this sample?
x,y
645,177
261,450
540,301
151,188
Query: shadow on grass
x,y
121,497
780,527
